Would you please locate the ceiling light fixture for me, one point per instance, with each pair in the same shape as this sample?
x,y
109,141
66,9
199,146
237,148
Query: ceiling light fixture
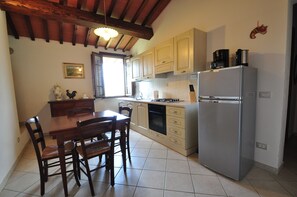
x,y
105,32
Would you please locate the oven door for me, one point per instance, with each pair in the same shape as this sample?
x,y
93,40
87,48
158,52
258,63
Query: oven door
x,y
157,118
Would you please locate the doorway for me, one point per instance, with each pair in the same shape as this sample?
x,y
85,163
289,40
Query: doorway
x,y
290,149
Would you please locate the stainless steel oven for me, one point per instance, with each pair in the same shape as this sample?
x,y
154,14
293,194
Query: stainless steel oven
x,y
157,118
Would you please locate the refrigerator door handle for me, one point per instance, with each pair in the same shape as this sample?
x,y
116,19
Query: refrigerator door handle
x,y
220,101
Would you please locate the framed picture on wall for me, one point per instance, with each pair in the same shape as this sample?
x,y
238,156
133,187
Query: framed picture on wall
x,y
74,70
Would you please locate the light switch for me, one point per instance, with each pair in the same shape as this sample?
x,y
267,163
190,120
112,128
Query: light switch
x,y
265,94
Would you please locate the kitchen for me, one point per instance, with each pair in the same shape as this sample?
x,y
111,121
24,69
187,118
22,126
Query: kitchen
x,y
227,26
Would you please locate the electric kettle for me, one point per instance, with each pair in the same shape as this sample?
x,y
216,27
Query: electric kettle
x,y
242,57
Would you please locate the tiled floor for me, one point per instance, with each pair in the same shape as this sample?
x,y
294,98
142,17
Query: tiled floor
x,y
155,171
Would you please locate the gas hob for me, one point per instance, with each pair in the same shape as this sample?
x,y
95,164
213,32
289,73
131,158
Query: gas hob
x,y
167,100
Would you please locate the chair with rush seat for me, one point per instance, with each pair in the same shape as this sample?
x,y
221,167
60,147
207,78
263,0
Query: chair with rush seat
x,y
47,156
127,111
88,149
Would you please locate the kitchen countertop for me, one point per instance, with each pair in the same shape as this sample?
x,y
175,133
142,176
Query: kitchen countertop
x,y
149,101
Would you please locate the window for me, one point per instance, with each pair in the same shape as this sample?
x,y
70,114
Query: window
x,y
109,79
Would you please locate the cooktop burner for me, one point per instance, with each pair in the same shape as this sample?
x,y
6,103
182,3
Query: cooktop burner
x,y
168,100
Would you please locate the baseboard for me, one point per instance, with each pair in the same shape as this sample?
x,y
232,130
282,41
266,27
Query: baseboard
x,y
268,168
3,183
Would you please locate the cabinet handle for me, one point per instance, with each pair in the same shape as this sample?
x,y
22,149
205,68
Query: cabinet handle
x,y
183,71
163,61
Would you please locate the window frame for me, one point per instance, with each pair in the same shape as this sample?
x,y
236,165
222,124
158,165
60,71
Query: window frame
x,y
96,76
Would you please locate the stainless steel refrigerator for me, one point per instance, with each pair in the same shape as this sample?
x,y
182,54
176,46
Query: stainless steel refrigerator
x,y
226,119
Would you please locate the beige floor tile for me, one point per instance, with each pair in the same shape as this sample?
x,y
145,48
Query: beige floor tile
x,y
73,188
84,190
23,182
148,192
178,194
291,187
155,164
196,168
204,195
269,188
177,166
143,144
238,188
8,193
178,182
159,146
152,179
120,191
137,162
157,153
259,174
131,177
140,152
174,155
285,175
28,165
204,184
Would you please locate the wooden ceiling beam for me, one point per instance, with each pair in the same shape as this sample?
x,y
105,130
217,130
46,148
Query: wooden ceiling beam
x,y
29,27
124,13
12,26
61,37
125,47
61,13
108,43
139,11
110,10
97,42
154,13
119,43
74,35
45,29
88,32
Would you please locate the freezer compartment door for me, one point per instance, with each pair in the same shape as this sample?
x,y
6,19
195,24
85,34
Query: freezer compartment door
x,y
225,82
219,136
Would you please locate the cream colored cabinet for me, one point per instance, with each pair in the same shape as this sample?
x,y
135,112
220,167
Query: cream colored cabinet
x,y
148,64
190,52
182,129
164,57
136,64
139,119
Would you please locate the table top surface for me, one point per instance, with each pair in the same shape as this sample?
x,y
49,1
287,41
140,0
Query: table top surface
x,y
64,123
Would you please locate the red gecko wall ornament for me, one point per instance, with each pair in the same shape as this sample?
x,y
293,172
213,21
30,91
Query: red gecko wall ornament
x,y
259,29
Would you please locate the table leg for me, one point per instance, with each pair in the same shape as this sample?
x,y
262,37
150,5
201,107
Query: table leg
x,y
61,150
123,146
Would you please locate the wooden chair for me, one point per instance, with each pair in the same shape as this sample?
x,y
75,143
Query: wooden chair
x,y
47,156
127,111
88,149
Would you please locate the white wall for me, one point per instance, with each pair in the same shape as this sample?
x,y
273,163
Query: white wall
x,y
228,24
38,66
10,148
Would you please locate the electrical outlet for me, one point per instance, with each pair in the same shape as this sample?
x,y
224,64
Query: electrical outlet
x,y
261,145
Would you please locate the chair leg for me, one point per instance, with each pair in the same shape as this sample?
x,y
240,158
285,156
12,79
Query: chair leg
x,y
45,164
89,177
111,166
42,182
76,168
128,148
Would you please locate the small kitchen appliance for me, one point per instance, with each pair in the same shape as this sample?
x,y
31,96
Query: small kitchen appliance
x,y
220,59
242,57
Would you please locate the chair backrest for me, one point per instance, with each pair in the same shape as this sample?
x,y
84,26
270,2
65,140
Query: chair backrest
x,y
36,134
96,127
127,111
79,111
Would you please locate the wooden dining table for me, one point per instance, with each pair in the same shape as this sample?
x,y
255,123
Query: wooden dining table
x,y
64,128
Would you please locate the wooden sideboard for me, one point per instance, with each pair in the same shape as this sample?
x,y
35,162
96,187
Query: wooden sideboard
x,y
60,108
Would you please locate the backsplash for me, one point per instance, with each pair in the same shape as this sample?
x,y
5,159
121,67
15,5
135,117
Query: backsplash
x,y
174,86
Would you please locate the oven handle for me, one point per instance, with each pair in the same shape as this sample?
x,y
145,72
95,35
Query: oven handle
x,y
155,112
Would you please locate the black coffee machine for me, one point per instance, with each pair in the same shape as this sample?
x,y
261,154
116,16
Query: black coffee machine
x,y
220,59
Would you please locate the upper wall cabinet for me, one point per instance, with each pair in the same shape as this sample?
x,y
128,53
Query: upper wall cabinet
x,y
148,64
136,63
190,52
164,57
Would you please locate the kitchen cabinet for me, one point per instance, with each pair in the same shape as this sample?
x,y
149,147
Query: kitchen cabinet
x,y
136,68
148,64
189,52
61,108
182,129
139,119
164,57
